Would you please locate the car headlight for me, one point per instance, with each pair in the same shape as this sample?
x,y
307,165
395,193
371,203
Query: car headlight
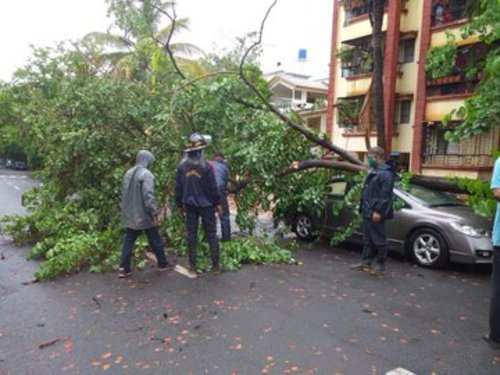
x,y
467,230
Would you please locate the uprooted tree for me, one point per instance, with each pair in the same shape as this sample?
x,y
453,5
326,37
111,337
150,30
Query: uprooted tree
x,y
87,115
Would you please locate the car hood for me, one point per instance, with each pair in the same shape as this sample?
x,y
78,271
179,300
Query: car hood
x,y
465,215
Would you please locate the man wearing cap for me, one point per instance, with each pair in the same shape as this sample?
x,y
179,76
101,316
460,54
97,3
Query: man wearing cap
x,y
197,196
139,212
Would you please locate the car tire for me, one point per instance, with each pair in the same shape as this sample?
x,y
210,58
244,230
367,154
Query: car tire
x,y
428,248
304,228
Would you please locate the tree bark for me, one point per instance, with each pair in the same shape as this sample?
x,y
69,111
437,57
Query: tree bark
x,y
377,18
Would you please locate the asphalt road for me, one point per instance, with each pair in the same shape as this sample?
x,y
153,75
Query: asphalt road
x,y
318,318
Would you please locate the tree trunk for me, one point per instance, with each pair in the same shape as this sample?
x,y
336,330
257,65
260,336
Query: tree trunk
x,y
377,18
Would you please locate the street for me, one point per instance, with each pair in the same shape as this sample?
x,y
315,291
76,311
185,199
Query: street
x,y
315,318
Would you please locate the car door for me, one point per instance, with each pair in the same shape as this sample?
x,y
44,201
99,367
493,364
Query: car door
x,y
398,227
335,220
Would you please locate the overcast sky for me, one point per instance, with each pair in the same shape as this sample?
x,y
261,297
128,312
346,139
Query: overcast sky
x,y
293,25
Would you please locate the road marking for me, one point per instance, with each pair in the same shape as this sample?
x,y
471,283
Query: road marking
x,y
13,177
16,187
400,371
184,271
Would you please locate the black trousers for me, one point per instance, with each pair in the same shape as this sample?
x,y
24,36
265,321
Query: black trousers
x,y
225,219
495,297
375,242
207,215
154,240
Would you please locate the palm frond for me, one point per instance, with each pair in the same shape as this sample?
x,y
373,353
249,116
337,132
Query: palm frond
x,y
107,39
180,24
187,49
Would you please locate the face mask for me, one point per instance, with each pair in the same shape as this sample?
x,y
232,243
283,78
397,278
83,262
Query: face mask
x,y
372,162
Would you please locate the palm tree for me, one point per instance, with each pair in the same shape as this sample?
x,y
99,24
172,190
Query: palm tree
x,y
140,21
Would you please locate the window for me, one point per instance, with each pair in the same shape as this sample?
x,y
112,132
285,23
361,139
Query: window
x,y
298,95
407,51
338,188
404,111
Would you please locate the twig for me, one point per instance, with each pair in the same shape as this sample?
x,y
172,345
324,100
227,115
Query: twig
x,y
166,45
46,344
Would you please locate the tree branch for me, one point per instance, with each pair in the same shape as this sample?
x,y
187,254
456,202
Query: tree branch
x,y
166,45
311,136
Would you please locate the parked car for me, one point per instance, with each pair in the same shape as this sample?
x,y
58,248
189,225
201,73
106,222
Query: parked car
x,y
433,228
20,166
9,163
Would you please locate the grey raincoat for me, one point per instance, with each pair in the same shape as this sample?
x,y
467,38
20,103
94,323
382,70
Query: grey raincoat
x,y
138,203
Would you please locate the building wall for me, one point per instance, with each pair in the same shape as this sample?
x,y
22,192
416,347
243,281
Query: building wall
x,y
406,84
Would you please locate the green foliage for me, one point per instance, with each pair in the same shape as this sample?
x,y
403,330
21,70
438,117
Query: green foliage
x,y
349,111
481,197
441,60
351,202
482,111
87,123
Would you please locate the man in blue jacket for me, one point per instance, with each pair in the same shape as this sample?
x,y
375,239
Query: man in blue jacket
x,y
221,170
139,211
197,196
376,207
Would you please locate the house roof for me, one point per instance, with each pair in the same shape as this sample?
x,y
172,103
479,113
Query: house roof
x,y
293,80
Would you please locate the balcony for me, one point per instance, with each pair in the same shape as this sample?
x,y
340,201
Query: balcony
x,y
287,104
469,154
460,83
356,10
448,12
356,57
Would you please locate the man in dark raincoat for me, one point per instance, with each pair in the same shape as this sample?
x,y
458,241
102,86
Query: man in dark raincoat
x,y
376,208
197,197
139,211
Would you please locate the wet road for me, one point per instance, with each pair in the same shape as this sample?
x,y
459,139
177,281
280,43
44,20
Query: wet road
x,y
319,318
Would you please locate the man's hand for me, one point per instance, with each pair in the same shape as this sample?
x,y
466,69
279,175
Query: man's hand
x,y
496,194
220,210
180,211
376,217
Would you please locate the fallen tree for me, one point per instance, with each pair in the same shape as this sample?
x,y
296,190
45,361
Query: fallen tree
x,y
89,118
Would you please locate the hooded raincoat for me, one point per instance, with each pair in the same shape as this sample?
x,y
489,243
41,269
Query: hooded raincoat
x,y
138,203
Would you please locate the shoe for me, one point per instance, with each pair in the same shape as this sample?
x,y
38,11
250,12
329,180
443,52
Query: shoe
x,y
361,267
493,344
122,274
378,269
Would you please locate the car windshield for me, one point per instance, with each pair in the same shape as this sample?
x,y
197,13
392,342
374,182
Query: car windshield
x,y
431,198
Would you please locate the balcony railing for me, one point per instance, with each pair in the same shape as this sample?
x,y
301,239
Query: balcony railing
x,y
357,69
356,8
288,104
446,12
475,152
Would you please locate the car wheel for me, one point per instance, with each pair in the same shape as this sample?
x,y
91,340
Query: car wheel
x,y
304,228
428,248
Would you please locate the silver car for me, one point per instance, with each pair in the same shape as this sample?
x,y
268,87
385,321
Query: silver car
x,y
433,228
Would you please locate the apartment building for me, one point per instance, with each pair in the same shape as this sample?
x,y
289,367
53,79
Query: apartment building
x,y
414,104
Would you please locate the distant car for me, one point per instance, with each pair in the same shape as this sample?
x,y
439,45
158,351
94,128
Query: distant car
x,y
20,166
433,228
